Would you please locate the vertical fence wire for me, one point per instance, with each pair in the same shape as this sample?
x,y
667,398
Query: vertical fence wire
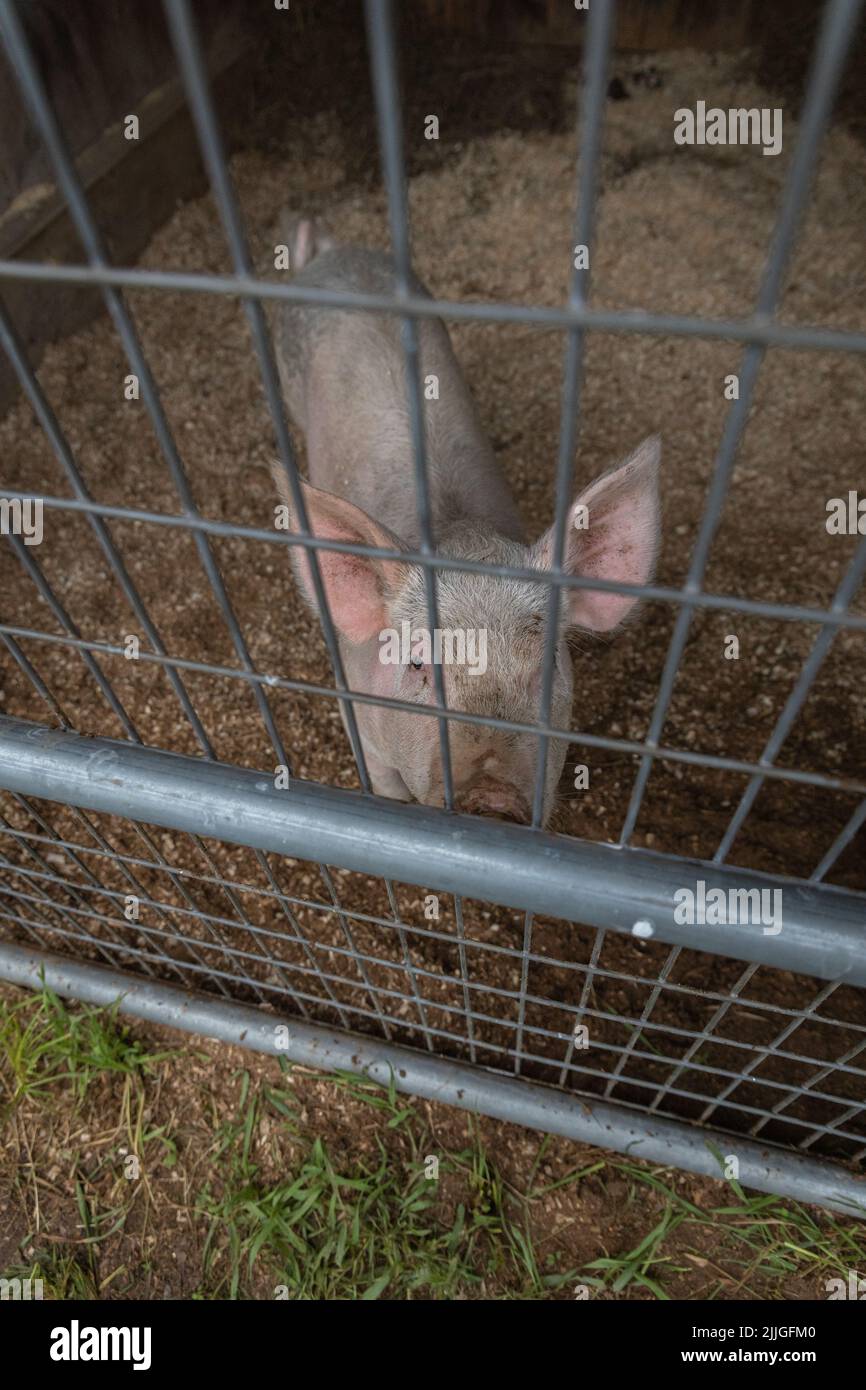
x,y
188,50
48,126
846,592
591,121
380,29
593,94
834,39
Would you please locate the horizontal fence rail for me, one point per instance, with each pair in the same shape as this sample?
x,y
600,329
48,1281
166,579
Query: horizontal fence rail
x,y
759,329
822,931
689,1027
433,1078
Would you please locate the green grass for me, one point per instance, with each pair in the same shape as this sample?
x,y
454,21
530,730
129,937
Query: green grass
x,y
367,1232
43,1043
763,1239
62,1274
270,1209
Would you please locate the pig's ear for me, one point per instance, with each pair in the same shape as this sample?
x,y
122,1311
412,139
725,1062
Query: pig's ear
x,y
357,588
613,534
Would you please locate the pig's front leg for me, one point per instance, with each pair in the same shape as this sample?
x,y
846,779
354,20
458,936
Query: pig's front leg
x,y
385,780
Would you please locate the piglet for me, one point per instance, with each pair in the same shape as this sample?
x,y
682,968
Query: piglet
x,y
344,379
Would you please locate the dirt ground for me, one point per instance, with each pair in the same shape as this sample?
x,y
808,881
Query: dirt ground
x,y
681,230
598,1226
63,1178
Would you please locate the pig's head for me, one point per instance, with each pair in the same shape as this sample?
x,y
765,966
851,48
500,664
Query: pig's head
x,y
491,634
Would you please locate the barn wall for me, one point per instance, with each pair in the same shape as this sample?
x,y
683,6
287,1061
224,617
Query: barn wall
x,y
99,62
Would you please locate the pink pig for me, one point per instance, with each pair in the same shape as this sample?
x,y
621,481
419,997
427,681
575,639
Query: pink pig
x,y
344,378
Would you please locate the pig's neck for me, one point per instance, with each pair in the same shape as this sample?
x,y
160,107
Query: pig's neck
x,y
359,445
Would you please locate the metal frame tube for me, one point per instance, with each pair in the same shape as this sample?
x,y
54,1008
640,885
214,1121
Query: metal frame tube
x,y
584,1120
600,885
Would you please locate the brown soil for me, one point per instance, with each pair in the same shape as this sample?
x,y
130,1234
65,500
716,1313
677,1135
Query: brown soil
x,y
56,1150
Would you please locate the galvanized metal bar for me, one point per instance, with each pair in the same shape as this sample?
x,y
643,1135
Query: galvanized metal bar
x,y
753,329
834,40
822,930
592,104
583,1119
193,72
662,753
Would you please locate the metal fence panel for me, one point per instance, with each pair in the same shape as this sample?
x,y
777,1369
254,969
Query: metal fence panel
x,y
122,862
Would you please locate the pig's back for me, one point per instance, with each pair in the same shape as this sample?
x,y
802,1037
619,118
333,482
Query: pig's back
x,y
344,377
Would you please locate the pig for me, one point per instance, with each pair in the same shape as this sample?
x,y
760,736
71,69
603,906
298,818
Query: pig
x,y
343,375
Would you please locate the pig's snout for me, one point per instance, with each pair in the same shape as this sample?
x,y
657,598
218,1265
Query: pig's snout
x,y
487,797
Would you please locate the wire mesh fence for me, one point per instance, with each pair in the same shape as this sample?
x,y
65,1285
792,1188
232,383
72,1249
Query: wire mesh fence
x,y
677,1033
756,1032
